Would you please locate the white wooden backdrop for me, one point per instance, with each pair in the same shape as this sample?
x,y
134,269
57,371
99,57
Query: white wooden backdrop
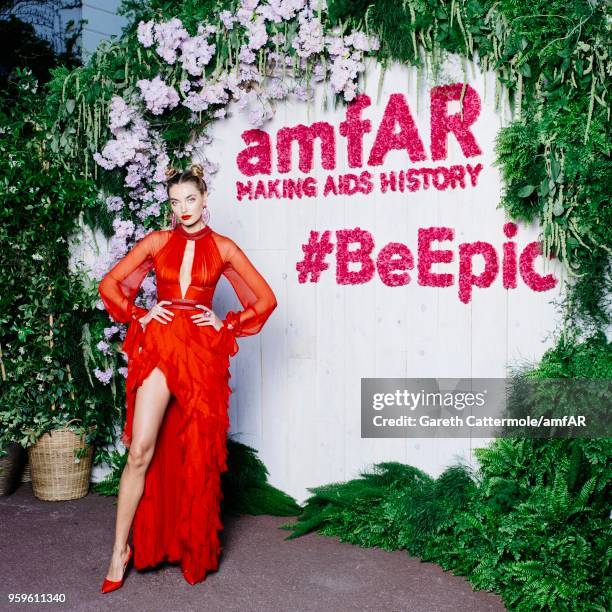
x,y
296,385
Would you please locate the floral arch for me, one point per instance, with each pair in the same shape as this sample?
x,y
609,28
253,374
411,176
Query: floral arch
x,y
146,100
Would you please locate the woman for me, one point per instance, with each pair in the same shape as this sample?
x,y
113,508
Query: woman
x,y
177,388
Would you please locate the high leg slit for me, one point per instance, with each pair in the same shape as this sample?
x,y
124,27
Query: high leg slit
x,y
157,387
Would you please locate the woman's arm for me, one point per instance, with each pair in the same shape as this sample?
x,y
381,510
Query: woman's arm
x,y
120,285
255,295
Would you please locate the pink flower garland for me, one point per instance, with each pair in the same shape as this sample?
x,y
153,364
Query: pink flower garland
x,y
260,148
386,265
353,128
467,279
509,271
344,276
305,136
443,124
427,257
397,111
530,276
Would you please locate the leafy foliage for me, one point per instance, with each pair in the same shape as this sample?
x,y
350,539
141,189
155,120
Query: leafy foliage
x,y
532,524
21,46
44,304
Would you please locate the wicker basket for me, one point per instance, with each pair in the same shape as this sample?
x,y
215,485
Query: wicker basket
x,y
27,472
56,474
11,468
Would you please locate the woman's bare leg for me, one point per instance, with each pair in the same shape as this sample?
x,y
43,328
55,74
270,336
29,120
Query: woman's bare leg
x,y
151,402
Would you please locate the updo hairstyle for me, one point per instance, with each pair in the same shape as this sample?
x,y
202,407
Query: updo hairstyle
x,y
194,173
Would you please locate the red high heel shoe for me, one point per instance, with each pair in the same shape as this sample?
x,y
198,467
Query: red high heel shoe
x,y
113,585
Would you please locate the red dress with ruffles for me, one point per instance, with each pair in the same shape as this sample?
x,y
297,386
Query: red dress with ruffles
x,y
178,516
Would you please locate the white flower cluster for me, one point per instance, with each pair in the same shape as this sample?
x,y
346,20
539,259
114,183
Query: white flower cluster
x,y
343,55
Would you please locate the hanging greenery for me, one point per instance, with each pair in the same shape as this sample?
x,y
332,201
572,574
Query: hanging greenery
x,y
553,62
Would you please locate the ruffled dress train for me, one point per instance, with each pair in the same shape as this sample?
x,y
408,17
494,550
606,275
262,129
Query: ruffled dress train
x,y
178,517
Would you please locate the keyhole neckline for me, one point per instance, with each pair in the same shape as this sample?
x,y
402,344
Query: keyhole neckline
x,y
192,235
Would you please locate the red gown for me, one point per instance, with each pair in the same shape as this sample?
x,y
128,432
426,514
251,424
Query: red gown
x,y
178,516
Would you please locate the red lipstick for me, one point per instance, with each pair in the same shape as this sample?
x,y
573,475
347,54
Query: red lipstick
x,y
185,216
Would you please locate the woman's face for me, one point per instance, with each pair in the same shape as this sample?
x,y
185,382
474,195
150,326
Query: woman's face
x,y
187,202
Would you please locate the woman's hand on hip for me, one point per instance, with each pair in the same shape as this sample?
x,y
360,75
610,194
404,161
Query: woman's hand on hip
x,y
208,317
159,313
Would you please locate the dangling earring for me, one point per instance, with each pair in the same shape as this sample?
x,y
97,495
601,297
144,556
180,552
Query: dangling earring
x,y
173,220
205,215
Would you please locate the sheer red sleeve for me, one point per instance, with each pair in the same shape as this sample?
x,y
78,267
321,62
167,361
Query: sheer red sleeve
x,y
120,285
255,295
